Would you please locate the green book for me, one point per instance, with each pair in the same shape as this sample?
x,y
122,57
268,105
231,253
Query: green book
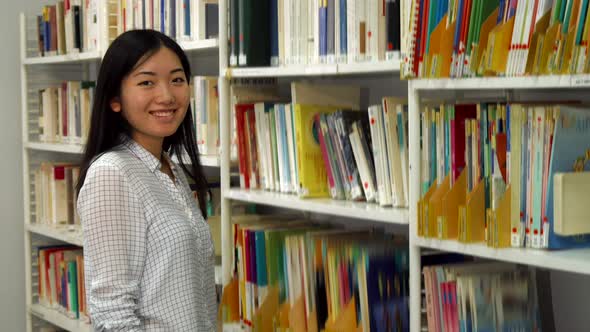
x,y
73,288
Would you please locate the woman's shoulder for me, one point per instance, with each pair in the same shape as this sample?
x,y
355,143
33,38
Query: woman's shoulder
x,y
117,159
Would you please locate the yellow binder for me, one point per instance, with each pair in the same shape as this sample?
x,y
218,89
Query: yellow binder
x,y
454,198
435,208
267,314
446,50
550,42
473,216
479,50
536,45
346,321
497,48
502,224
423,210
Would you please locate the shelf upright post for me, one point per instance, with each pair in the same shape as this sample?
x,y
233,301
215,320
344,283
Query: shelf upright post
x,y
25,170
225,147
414,194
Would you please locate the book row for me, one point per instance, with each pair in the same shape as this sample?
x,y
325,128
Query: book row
x,y
468,38
61,283
315,150
68,26
291,32
183,20
64,112
55,194
482,296
493,173
290,274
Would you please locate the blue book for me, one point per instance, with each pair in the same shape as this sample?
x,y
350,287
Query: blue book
x,y
343,30
173,19
261,270
323,13
143,16
285,147
187,18
571,140
162,16
274,33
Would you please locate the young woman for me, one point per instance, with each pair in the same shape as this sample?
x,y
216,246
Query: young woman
x,y
148,251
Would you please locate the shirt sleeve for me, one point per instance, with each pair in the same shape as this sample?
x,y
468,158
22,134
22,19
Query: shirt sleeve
x,y
114,231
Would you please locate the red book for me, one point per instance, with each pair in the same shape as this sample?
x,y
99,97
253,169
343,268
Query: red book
x,y
462,112
243,160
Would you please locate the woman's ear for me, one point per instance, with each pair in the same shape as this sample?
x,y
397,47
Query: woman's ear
x,y
116,104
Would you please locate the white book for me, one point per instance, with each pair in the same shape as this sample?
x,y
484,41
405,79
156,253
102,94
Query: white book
x,y
391,133
69,28
157,14
262,169
149,14
274,184
303,33
425,170
194,20
287,32
570,213
372,35
361,14
291,147
379,155
403,144
382,31
315,14
60,110
337,31
362,164
202,20
281,32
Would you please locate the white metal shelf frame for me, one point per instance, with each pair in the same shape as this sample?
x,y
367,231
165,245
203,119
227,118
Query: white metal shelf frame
x,y
31,63
340,208
360,68
575,261
59,319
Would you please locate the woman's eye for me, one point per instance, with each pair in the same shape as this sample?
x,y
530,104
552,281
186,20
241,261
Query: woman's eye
x,y
146,83
178,80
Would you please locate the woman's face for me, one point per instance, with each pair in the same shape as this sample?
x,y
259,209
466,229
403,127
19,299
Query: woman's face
x,y
154,98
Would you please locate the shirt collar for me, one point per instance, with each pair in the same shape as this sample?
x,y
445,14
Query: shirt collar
x,y
154,164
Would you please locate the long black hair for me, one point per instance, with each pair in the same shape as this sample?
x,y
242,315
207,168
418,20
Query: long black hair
x,y
106,126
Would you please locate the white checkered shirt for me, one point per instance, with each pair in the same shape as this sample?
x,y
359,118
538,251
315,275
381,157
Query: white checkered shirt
x,y
148,253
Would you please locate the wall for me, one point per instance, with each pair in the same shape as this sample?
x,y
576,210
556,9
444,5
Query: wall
x,y
12,302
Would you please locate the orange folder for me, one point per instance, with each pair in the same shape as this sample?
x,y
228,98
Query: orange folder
x,y
229,306
433,57
446,50
435,208
536,43
345,322
501,228
266,315
472,216
550,43
423,210
484,35
497,48
454,198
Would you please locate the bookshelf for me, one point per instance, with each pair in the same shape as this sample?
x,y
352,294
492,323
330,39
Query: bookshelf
x,y
569,260
39,72
363,214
